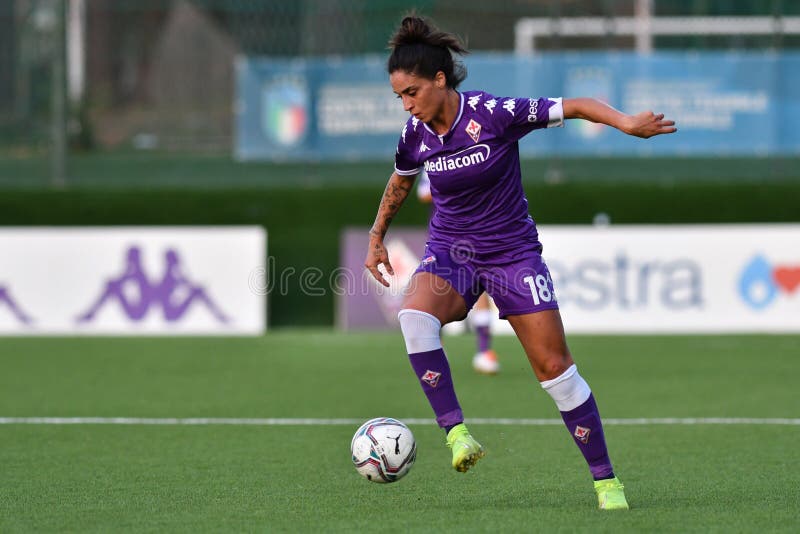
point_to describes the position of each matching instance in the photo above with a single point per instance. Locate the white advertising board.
(133, 280)
(675, 278)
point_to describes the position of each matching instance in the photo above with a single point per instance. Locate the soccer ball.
(383, 450)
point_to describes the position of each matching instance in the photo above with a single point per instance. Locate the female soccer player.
(481, 237)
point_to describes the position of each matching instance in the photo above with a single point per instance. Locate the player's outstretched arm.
(393, 197)
(645, 124)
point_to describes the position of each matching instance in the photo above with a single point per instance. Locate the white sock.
(421, 331)
(569, 389)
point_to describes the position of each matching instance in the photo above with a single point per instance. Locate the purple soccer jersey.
(474, 170)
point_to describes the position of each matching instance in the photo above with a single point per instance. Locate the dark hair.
(420, 48)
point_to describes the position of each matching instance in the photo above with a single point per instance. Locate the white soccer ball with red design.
(383, 450)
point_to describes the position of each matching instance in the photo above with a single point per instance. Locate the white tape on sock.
(569, 389)
(421, 331)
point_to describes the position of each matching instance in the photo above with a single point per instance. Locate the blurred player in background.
(485, 360)
(481, 237)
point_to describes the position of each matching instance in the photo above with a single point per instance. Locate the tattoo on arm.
(394, 195)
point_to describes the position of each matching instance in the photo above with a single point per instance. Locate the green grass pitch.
(283, 478)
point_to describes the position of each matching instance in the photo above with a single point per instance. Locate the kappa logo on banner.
(582, 433)
(761, 282)
(7, 300)
(431, 378)
(137, 295)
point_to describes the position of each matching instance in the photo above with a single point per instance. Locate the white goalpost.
(644, 27)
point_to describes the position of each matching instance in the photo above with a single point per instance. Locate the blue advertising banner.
(344, 108)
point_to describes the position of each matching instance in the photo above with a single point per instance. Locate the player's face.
(422, 97)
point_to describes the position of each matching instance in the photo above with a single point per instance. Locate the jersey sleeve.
(520, 116)
(405, 158)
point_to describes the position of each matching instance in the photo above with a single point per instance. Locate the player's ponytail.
(420, 48)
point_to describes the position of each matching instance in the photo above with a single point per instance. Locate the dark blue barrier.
(339, 109)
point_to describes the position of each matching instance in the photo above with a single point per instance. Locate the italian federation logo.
(285, 104)
(431, 378)
(582, 434)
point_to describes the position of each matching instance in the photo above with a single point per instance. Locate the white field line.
(643, 421)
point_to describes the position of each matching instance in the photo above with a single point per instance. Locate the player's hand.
(647, 124)
(377, 255)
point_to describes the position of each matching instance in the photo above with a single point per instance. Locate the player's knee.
(553, 369)
(421, 331)
(553, 365)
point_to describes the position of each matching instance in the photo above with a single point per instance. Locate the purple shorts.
(517, 280)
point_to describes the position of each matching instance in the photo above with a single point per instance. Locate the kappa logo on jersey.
(428, 260)
(431, 378)
(414, 123)
(473, 101)
(474, 155)
(405, 129)
(423, 147)
(490, 104)
(474, 130)
(509, 105)
(582, 434)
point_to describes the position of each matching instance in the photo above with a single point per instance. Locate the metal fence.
(159, 74)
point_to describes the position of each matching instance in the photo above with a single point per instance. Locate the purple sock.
(433, 372)
(484, 338)
(584, 424)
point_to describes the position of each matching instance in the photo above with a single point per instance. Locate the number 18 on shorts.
(522, 286)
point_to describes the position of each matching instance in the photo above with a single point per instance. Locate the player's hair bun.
(412, 30)
(417, 30)
(418, 46)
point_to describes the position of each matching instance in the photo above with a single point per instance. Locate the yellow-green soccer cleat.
(466, 451)
(610, 494)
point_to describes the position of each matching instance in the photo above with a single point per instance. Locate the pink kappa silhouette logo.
(137, 295)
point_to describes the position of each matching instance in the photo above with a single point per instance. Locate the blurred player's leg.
(485, 360)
